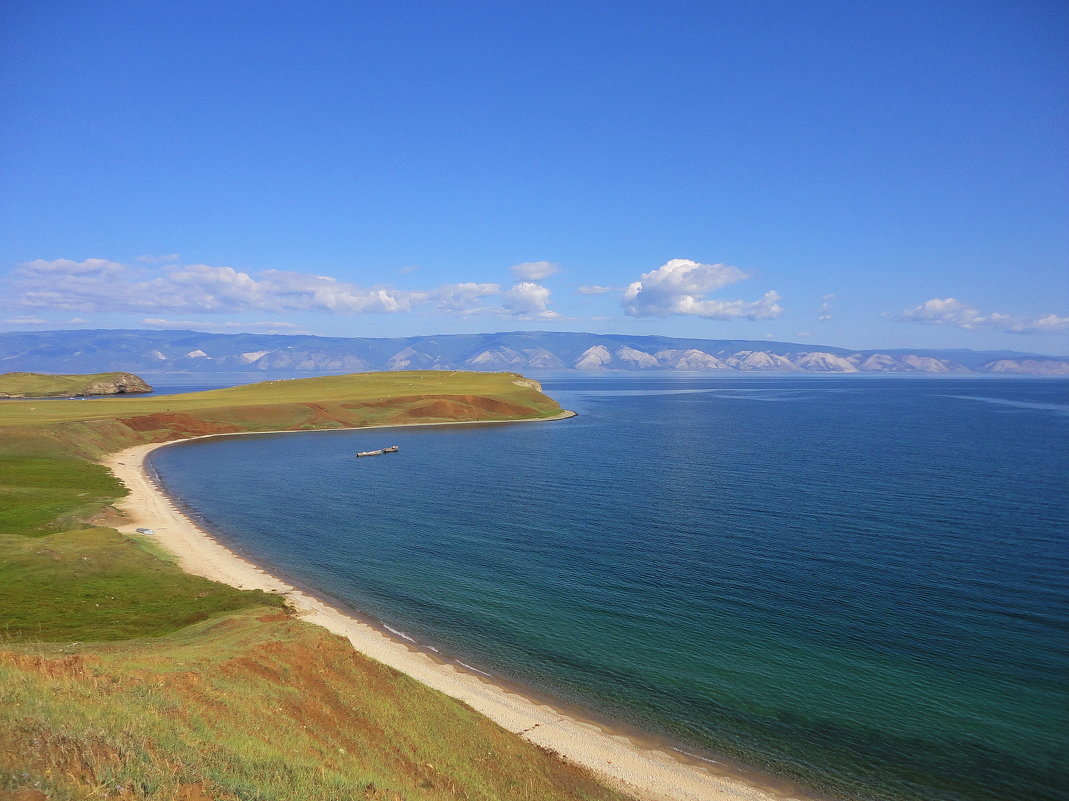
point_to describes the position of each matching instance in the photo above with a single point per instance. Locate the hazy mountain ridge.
(191, 351)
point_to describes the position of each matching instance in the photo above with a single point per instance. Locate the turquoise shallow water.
(856, 583)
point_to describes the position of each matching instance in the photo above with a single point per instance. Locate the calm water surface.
(857, 583)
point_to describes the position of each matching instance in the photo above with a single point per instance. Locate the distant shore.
(650, 774)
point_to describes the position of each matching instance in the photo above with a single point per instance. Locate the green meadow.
(123, 677)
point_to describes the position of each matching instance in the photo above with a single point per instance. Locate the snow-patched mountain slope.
(155, 352)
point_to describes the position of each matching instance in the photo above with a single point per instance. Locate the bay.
(855, 583)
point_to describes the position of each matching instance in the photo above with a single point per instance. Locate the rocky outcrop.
(121, 384)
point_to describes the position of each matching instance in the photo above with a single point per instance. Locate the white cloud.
(463, 298)
(25, 321)
(824, 312)
(149, 258)
(68, 267)
(98, 285)
(595, 289)
(680, 286)
(529, 301)
(534, 270)
(1050, 324)
(951, 311)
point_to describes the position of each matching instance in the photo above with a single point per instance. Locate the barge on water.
(391, 449)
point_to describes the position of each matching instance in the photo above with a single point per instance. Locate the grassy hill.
(123, 677)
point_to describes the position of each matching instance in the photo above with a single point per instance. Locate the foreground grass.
(253, 706)
(121, 676)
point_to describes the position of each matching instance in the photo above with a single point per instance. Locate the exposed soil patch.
(464, 407)
(446, 407)
(281, 616)
(177, 422)
(108, 517)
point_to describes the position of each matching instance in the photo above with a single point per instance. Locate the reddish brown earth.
(177, 423)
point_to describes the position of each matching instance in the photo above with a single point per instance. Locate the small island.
(43, 385)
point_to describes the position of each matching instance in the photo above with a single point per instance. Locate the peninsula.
(166, 666)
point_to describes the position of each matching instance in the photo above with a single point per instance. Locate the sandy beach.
(650, 774)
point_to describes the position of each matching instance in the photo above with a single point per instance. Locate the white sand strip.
(647, 773)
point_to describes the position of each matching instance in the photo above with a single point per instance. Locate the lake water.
(855, 583)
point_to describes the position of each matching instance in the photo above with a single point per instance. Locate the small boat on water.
(391, 449)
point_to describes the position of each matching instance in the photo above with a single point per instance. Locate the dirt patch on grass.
(67, 666)
(446, 407)
(178, 423)
(281, 616)
(108, 517)
(464, 407)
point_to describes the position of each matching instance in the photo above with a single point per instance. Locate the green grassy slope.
(254, 706)
(122, 676)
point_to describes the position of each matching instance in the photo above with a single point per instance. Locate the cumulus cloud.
(464, 298)
(680, 286)
(534, 270)
(595, 289)
(529, 301)
(824, 312)
(99, 285)
(951, 311)
(1049, 324)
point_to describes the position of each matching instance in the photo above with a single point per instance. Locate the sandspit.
(650, 774)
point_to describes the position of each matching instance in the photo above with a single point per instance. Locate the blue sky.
(882, 174)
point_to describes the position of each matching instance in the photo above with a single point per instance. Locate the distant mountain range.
(519, 351)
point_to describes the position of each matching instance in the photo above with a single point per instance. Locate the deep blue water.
(856, 583)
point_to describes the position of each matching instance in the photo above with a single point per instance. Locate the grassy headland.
(44, 385)
(122, 676)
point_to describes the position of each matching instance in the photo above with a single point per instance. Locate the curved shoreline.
(650, 774)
